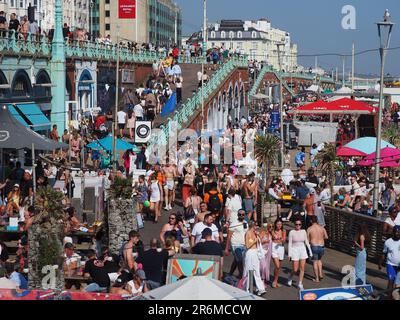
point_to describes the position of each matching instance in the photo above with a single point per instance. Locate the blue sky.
(315, 25)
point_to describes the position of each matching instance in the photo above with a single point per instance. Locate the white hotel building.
(257, 39)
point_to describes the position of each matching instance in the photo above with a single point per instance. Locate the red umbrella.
(349, 152)
(384, 164)
(387, 154)
(350, 106)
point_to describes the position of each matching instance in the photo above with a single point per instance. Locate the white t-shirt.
(238, 235)
(397, 220)
(233, 205)
(392, 248)
(325, 196)
(390, 222)
(121, 117)
(138, 110)
(198, 229)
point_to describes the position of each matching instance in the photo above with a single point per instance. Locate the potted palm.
(266, 149)
(328, 163)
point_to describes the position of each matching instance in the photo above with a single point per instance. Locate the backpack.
(214, 203)
(121, 251)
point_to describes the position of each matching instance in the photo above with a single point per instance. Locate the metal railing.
(188, 110)
(342, 226)
(19, 43)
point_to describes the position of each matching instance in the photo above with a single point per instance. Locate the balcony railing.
(18, 43)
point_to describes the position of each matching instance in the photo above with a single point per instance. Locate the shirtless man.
(129, 259)
(317, 236)
(249, 188)
(169, 172)
(203, 212)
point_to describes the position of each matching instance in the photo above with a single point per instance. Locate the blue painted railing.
(31, 45)
(191, 107)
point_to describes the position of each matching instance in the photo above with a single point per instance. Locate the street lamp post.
(204, 60)
(281, 106)
(384, 30)
(115, 133)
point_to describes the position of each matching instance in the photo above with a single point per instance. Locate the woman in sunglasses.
(175, 228)
(298, 246)
(253, 259)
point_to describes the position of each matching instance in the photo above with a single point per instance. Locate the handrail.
(182, 116)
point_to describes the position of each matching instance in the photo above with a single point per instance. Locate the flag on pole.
(169, 106)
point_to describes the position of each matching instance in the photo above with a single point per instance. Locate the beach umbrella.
(387, 154)
(367, 145)
(384, 164)
(198, 288)
(349, 152)
(107, 144)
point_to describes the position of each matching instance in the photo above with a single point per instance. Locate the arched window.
(21, 85)
(254, 34)
(231, 34)
(3, 80)
(42, 77)
(240, 34)
(212, 34)
(223, 34)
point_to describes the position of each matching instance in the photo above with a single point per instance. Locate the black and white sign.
(4, 136)
(142, 131)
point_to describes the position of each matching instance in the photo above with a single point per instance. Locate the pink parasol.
(349, 152)
(384, 164)
(387, 154)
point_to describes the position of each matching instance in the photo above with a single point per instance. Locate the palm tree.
(328, 164)
(45, 238)
(391, 133)
(266, 152)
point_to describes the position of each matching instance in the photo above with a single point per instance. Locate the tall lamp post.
(384, 30)
(279, 45)
(115, 133)
(204, 60)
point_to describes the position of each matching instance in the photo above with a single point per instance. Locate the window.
(231, 34)
(107, 13)
(212, 34)
(240, 34)
(107, 27)
(240, 45)
(223, 34)
(254, 34)
(255, 45)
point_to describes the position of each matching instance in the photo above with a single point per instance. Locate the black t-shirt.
(14, 24)
(153, 262)
(3, 20)
(25, 186)
(198, 182)
(98, 272)
(210, 248)
(112, 266)
(313, 179)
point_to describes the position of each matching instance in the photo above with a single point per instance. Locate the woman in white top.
(297, 252)
(155, 197)
(253, 258)
(137, 286)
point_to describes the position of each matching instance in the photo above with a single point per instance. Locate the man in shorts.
(391, 253)
(169, 187)
(317, 236)
(249, 190)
